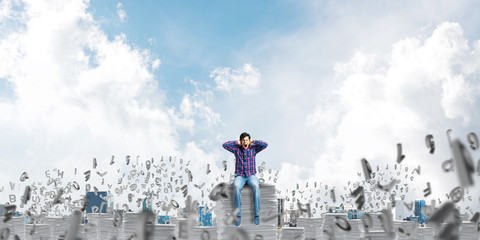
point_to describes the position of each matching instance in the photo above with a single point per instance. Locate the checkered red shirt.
(245, 158)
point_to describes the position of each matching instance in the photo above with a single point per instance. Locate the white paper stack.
(130, 223)
(90, 230)
(37, 231)
(163, 231)
(16, 226)
(59, 226)
(297, 233)
(437, 229)
(377, 224)
(2, 224)
(175, 222)
(357, 230)
(468, 230)
(312, 227)
(139, 225)
(253, 232)
(426, 232)
(440, 232)
(380, 235)
(329, 224)
(82, 232)
(106, 228)
(409, 230)
(183, 228)
(205, 233)
(224, 209)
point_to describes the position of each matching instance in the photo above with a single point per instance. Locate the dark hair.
(244, 134)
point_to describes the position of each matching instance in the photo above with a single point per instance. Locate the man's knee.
(237, 184)
(255, 187)
(254, 184)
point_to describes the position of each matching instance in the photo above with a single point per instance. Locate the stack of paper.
(139, 226)
(312, 227)
(224, 212)
(130, 224)
(16, 226)
(426, 232)
(205, 233)
(356, 229)
(407, 230)
(164, 231)
(91, 229)
(59, 226)
(380, 235)
(183, 228)
(297, 233)
(441, 231)
(377, 223)
(468, 230)
(2, 224)
(107, 230)
(329, 226)
(253, 232)
(37, 231)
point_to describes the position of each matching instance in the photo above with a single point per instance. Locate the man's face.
(245, 142)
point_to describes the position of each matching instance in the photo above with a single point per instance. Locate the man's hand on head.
(249, 143)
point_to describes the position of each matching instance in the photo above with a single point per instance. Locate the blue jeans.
(238, 184)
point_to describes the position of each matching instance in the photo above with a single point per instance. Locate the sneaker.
(256, 220)
(238, 221)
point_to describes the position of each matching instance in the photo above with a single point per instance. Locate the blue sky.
(325, 83)
(192, 37)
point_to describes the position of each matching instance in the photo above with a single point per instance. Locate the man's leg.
(255, 185)
(238, 183)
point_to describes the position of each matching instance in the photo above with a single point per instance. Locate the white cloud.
(152, 41)
(246, 79)
(156, 63)
(289, 176)
(122, 15)
(194, 114)
(77, 95)
(425, 86)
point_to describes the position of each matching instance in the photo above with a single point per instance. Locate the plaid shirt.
(245, 158)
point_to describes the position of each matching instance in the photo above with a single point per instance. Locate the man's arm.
(259, 145)
(231, 146)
